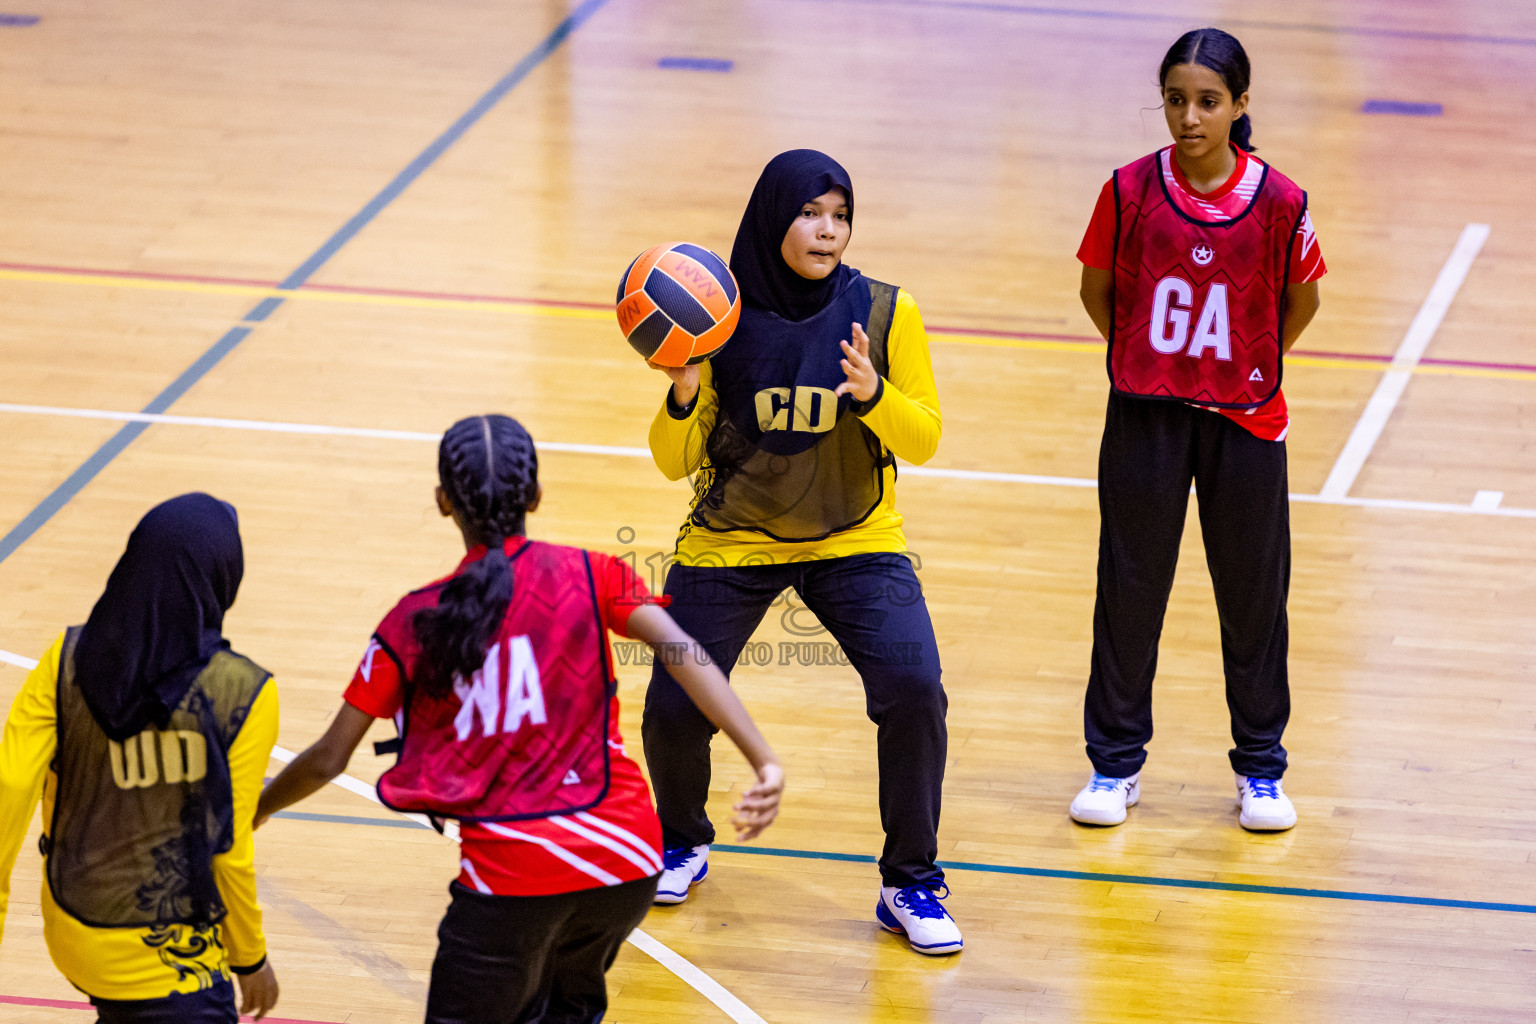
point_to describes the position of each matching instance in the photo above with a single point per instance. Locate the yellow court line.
(309, 294)
(1029, 344)
(139, 283)
(1318, 362)
(567, 313)
(1433, 371)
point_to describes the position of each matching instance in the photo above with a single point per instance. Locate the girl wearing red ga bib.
(1199, 268)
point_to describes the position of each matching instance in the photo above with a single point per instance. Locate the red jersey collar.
(1226, 187)
(477, 552)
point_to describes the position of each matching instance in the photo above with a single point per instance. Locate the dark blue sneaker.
(682, 868)
(917, 913)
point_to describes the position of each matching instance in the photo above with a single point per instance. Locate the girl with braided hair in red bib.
(1200, 268)
(502, 685)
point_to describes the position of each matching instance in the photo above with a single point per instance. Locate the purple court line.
(513, 300)
(1186, 19)
(1402, 108)
(63, 1004)
(1364, 357)
(695, 64)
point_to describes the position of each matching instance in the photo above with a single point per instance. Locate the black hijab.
(789, 181)
(161, 617)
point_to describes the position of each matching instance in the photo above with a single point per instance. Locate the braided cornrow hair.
(490, 471)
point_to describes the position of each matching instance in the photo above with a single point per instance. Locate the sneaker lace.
(1268, 789)
(1104, 783)
(923, 899)
(676, 857)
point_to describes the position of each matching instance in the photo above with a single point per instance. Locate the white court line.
(18, 660)
(1002, 478)
(702, 983)
(268, 426)
(1480, 508)
(1379, 409)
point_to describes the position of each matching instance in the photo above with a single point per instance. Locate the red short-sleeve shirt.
(1270, 421)
(617, 841)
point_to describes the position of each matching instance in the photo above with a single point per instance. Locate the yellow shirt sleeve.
(677, 443)
(235, 871)
(26, 749)
(906, 414)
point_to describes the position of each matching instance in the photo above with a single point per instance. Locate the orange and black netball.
(678, 304)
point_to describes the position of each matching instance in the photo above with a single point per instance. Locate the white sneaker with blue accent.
(1266, 808)
(917, 913)
(1104, 800)
(682, 868)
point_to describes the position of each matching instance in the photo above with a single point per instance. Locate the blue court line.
(103, 456)
(1013, 869)
(1193, 21)
(1171, 883)
(19, 20)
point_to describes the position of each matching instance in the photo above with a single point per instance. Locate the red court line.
(407, 293)
(403, 293)
(61, 1004)
(986, 332)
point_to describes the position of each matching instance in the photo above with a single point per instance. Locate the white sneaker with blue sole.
(682, 868)
(917, 913)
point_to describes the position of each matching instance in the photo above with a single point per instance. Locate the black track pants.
(1151, 452)
(872, 605)
(531, 959)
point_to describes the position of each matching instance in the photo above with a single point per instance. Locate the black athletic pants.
(215, 1005)
(531, 959)
(872, 605)
(1151, 452)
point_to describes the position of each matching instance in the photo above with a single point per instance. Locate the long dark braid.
(490, 471)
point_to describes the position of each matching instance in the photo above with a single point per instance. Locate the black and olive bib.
(788, 458)
(136, 824)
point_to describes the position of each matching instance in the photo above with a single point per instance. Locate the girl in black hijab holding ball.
(791, 433)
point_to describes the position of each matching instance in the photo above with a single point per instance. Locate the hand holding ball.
(678, 304)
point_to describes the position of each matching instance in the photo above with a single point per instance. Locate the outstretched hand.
(759, 805)
(863, 381)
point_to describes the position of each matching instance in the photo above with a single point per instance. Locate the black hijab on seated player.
(789, 181)
(161, 618)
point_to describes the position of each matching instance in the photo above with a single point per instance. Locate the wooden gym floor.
(236, 215)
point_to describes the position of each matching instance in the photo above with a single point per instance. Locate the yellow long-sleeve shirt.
(134, 963)
(906, 418)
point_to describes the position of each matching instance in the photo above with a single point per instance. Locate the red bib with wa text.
(1198, 305)
(527, 735)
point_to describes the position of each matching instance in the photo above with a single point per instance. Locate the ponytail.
(1222, 53)
(1242, 134)
(489, 469)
